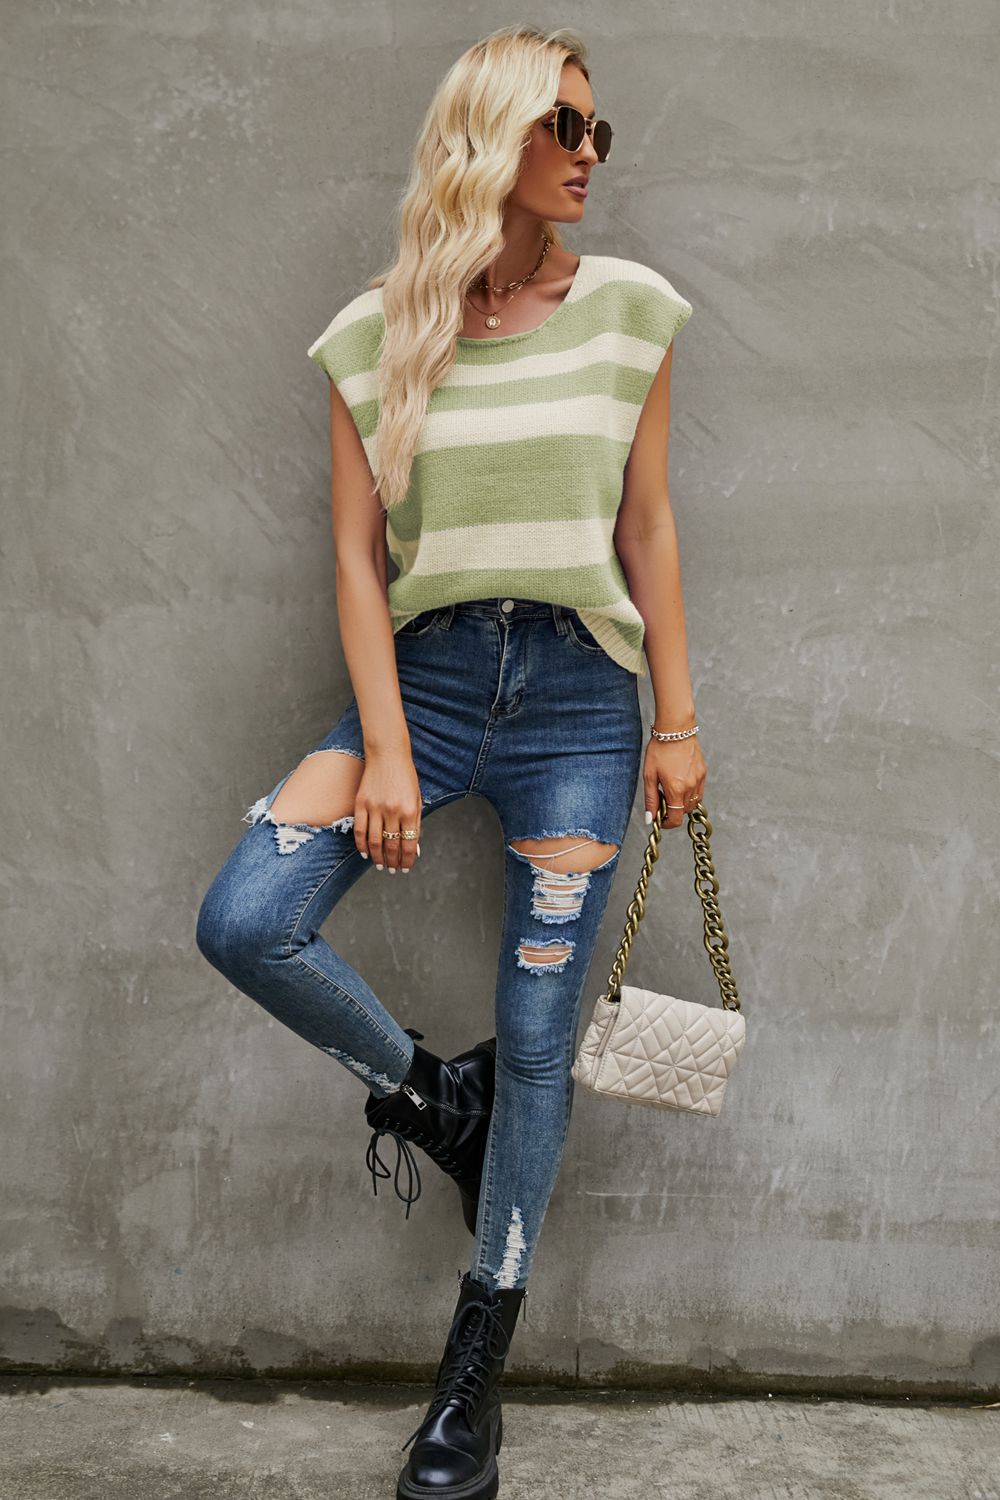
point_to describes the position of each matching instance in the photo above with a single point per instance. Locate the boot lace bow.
(380, 1170)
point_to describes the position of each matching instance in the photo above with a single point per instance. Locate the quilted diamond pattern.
(661, 1051)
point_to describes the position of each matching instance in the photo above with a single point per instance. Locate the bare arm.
(389, 793)
(645, 539)
(362, 580)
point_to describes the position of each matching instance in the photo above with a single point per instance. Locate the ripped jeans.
(513, 701)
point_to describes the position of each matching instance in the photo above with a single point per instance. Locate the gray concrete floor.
(85, 1439)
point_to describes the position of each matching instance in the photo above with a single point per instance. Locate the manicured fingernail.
(392, 869)
(406, 869)
(649, 816)
(380, 867)
(418, 848)
(362, 853)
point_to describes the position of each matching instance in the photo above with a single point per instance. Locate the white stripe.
(611, 347)
(509, 545)
(576, 416)
(361, 307)
(598, 621)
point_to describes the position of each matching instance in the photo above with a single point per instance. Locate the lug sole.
(483, 1487)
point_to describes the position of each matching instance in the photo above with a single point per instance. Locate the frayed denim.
(521, 707)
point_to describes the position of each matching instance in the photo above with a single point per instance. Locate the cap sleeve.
(348, 350)
(661, 312)
(654, 312)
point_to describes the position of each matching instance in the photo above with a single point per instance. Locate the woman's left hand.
(679, 768)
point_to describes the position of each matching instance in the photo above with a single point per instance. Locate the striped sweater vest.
(517, 476)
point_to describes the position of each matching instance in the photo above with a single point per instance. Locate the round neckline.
(509, 338)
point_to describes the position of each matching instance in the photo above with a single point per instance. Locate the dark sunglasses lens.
(570, 128)
(602, 139)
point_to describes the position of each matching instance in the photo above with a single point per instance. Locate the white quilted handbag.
(655, 1049)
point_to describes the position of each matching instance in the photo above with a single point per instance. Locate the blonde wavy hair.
(465, 163)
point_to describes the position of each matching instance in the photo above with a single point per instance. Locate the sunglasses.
(569, 127)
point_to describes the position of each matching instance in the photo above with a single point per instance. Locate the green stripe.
(549, 479)
(642, 312)
(352, 350)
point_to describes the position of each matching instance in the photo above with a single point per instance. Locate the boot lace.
(380, 1170)
(464, 1374)
(403, 1153)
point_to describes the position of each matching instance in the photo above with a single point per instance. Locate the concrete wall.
(191, 191)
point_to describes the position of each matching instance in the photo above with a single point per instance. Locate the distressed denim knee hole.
(291, 836)
(550, 957)
(291, 833)
(557, 895)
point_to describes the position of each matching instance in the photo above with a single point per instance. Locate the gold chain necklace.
(493, 319)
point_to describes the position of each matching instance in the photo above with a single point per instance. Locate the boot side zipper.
(412, 1094)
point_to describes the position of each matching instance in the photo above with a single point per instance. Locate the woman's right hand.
(388, 800)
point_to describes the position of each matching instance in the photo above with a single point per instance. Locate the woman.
(518, 480)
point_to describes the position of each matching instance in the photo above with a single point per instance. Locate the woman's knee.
(234, 930)
(537, 1051)
(213, 934)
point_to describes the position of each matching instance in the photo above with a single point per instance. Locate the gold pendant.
(493, 321)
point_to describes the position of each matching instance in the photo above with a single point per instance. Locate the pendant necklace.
(493, 319)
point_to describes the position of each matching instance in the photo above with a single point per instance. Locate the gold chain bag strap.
(655, 1049)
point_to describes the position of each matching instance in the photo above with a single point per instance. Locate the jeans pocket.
(426, 620)
(580, 636)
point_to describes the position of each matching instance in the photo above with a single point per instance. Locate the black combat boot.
(455, 1453)
(445, 1108)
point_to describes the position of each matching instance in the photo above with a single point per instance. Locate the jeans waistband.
(510, 608)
